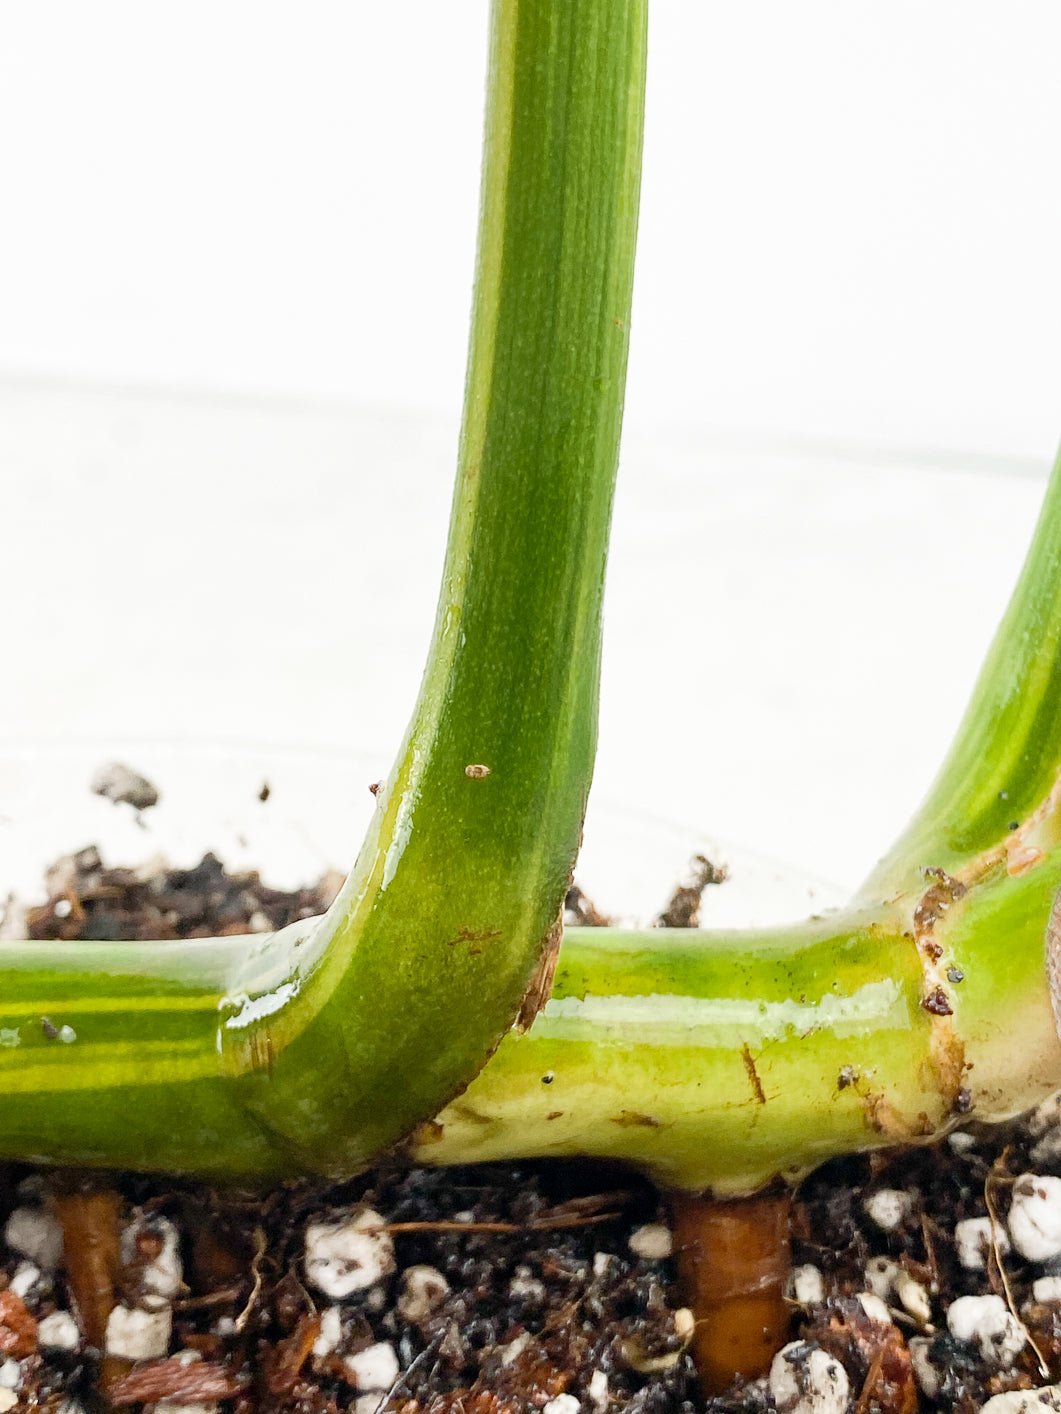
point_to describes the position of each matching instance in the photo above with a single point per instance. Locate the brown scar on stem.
(540, 986)
(883, 1118)
(1015, 851)
(469, 1113)
(946, 1048)
(631, 1119)
(752, 1074)
(430, 1132)
(1019, 856)
(262, 1052)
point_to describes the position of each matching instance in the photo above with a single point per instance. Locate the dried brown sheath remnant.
(734, 1256)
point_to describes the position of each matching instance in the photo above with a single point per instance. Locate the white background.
(843, 381)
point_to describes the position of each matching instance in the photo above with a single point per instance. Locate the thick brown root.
(734, 1256)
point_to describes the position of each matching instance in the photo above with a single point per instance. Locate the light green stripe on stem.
(720, 1061)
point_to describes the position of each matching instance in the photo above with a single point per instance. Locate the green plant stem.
(339, 1038)
(709, 1060)
(458, 889)
(722, 1060)
(1005, 762)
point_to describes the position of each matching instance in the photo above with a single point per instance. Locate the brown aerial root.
(89, 1214)
(734, 1258)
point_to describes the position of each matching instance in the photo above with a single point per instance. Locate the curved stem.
(458, 890)
(335, 1041)
(1005, 762)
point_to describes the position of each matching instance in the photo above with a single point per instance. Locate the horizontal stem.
(723, 1060)
(709, 1060)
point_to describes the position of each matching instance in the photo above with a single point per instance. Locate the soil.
(491, 1290)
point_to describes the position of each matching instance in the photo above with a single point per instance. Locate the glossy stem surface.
(710, 1060)
(720, 1061)
(324, 1045)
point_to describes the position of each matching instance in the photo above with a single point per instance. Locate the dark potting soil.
(502, 1289)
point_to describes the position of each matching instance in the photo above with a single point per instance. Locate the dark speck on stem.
(938, 1003)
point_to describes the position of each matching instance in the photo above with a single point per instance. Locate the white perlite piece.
(423, 1290)
(331, 1331)
(597, 1389)
(1035, 1217)
(515, 1348)
(133, 1334)
(1045, 1124)
(880, 1273)
(374, 1368)
(562, 1404)
(913, 1297)
(806, 1380)
(344, 1257)
(1046, 1289)
(806, 1285)
(10, 1374)
(652, 1242)
(525, 1286)
(8, 1399)
(162, 1275)
(925, 1373)
(1024, 1401)
(887, 1207)
(1046, 1116)
(986, 1322)
(35, 1234)
(369, 1403)
(972, 1242)
(874, 1308)
(26, 1277)
(961, 1141)
(58, 1332)
(1047, 1150)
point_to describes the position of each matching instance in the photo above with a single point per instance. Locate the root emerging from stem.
(734, 1257)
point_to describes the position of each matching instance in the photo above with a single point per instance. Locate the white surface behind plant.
(789, 640)
(850, 223)
(848, 296)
